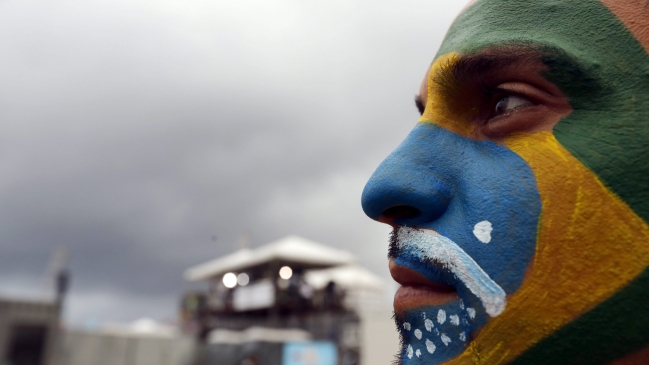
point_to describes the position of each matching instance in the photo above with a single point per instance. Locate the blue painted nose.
(410, 187)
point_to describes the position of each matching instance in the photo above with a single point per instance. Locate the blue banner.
(310, 353)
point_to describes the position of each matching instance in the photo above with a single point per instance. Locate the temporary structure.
(348, 277)
(291, 251)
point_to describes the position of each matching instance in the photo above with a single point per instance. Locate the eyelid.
(493, 116)
(546, 110)
(538, 95)
(525, 90)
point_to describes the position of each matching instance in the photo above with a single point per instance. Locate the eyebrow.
(452, 76)
(479, 67)
(573, 75)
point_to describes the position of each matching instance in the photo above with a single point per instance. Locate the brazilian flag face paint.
(520, 200)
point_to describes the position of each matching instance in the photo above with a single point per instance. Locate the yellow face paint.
(590, 244)
(591, 259)
(441, 108)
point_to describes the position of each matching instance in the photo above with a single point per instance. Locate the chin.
(432, 334)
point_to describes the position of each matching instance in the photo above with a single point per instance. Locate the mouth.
(416, 290)
(442, 259)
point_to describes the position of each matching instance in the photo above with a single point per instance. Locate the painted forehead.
(585, 28)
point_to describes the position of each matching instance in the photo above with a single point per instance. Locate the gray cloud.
(134, 131)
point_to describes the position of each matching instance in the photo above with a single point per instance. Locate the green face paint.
(553, 216)
(604, 71)
(529, 163)
(598, 64)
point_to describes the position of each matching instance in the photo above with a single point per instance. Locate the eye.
(510, 103)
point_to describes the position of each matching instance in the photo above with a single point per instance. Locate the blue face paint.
(454, 320)
(433, 334)
(459, 186)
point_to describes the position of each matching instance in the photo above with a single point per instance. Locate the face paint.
(432, 335)
(601, 67)
(430, 247)
(440, 332)
(482, 274)
(555, 219)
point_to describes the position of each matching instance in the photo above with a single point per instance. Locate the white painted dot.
(482, 231)
(445, 339)
(454, 319)
(409, 352)
(418, 353)
(436, 331)
(463, 336)
(418, 334)
(441, 316)
(406, 326)
(471, 312)
(430, 346)
(428, 324)
(461, 304)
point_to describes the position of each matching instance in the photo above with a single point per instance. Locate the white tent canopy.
(257, 334)
(348, 276)
(289, 249)
(145, 327)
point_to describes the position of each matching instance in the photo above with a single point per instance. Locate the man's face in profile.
(519, 201)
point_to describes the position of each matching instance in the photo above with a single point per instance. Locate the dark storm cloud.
(132, 132)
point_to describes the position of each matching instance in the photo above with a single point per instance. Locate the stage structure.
(285, 303)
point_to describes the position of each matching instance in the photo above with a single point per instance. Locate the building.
(142, 342)
(291, 299)
(29, 331)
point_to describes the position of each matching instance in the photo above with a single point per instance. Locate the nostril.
(401, 212)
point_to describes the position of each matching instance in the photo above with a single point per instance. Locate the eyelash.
(488, 93)
(491, 95)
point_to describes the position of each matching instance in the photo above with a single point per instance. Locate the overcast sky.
(134, 131)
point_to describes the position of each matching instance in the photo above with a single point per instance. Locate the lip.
(416, 290)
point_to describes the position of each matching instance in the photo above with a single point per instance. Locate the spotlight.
(230, 280)
(243, 279)
(285, 272)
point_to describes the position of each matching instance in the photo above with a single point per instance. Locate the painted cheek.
(578, 263)
(457, 183)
